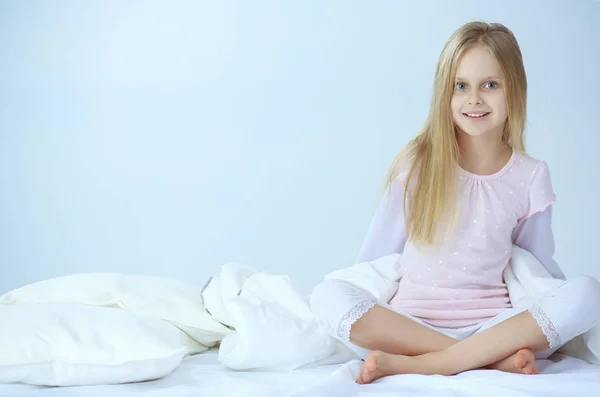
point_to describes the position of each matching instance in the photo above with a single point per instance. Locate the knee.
(322, 298)
(332, 299)
(318, 297)
(588, 287)
(328, 293)
(586, 291)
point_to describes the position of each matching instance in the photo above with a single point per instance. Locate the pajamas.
(562, 313)
(458, 282)
(457, 288)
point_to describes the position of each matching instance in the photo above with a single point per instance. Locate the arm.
(535, 235)
(386, 234)
(377, 268)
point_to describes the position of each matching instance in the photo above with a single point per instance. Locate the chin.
(479, 131)
(475, 133)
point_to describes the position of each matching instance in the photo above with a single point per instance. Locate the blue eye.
(493, 84)
(461, 86)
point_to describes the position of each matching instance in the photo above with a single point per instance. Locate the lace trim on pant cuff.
(546, 325)
(350, 318)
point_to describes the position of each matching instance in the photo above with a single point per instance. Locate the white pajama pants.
(562, 313)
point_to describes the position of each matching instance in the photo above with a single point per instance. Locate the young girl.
(459, 196)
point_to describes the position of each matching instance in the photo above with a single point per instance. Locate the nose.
(475, 98)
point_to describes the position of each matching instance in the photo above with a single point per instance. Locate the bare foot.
(522, 362)
(379, 364)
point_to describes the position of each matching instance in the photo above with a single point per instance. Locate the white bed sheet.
(203, 376)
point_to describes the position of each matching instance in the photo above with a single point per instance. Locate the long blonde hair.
(432, 156)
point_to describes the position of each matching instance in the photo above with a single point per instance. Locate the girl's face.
(478, 104)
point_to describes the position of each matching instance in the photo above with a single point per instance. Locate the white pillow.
(171, 300)
(71, 344)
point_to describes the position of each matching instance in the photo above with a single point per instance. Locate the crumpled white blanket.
(272, 327)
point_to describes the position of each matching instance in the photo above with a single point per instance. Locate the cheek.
(499, 106)
(500, 109)
(456, 106)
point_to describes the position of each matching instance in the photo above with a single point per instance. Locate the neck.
(483, 154)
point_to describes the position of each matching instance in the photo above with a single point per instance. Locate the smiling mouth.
(476, 115)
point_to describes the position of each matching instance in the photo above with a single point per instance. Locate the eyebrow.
(485, 78)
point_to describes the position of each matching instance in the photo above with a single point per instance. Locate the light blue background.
(170, 137)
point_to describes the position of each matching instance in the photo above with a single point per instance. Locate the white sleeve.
(386, 234)
(535, 235)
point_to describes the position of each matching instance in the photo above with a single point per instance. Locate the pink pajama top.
(460, 283)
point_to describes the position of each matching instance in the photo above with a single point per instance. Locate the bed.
(132, 335)
(203, 376)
